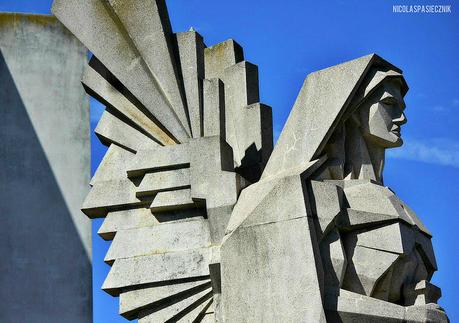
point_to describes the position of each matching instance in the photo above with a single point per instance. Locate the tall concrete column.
(45, 240)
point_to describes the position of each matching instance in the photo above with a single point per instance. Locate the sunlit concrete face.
(45, 240)
(382, 115)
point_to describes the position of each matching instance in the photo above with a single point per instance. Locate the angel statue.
(208, 222)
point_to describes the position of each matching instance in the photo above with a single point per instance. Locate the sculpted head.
(370, 124)
(382, 115)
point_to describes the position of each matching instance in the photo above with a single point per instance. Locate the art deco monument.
(208, 222)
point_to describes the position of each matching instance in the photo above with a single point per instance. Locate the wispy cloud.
(439, 108)
(454, 103)
(443, 152)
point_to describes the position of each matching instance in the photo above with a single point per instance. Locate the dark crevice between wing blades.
(158, 305)
(97, 65)
(92, 24)
(164, 17)
(173, 48)
(191, 307)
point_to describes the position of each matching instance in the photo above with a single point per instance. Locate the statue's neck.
(377, 155)
(364, 159)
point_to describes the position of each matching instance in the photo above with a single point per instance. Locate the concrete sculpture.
(208, 222)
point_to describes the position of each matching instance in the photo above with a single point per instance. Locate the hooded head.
(364, 95)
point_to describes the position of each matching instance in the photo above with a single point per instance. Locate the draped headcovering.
(327, 96)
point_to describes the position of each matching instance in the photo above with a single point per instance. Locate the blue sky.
(289, 40)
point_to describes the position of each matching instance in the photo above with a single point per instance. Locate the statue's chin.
(389, 141)
(397, 143)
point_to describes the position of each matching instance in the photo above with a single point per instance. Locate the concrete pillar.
(45, 240)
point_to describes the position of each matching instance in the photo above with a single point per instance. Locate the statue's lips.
(396, 130)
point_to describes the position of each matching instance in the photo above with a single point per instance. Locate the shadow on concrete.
(44, 271)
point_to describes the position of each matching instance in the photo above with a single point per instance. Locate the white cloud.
(454, 103)
(443, 152)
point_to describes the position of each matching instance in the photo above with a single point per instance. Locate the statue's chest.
(380, 202)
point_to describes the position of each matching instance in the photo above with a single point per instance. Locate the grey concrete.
(124, 220)
(99, 87)
(45, 240)
(209, 226)
(147, 23)
(214, 108)
(363, 239)
(161, 158)
(172, 312)
(241, 90)
(159, 239)
(133, 301)
(213, 157)
(221, 56)
(112, 129)
(152, 183)
(160, 267)
(300, 137)
(191, 51)
(110, 196)
(117, 52)
(171, 200)
(264, 244)
(113, 165)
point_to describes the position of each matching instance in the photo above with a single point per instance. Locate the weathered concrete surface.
(93, 21)
(268, 268)
(99, 87)
(147, 22)
(221, 56)
(45, 241)
(202, 231)
(191, 50)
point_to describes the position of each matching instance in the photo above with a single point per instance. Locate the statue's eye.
(389, 101)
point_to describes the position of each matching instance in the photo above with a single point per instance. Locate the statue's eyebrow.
(388, 98)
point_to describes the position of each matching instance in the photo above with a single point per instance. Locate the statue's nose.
(401, 119)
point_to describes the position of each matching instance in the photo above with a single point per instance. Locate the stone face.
(45, 240)
(369, 250)
(208, 222)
